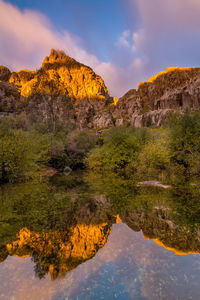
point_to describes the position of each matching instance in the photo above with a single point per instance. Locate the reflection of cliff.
(57, 252)
(159, 226)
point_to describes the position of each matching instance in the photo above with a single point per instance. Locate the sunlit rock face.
(66, 90)
(165, 82)
(61, 74)
(159, 226)
(57, 252)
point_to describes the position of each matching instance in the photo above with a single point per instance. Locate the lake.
(84, 236)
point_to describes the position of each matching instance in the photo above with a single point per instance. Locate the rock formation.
(63, 90)
(127, 107)
(10, 100)
(4, 73)
(172, 90)
(66, 91)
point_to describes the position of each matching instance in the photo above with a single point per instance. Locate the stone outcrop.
(165, 82)
(127, 107)
(173, 90)
(10, 100)
(63, 90)
(68, 92)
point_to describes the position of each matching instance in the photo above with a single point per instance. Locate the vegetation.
(27, 144)
(119, 152)
(172, 152)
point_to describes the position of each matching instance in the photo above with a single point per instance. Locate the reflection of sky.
(128, 267)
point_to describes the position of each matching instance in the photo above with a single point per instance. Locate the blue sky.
(99, 23)
(125, 41)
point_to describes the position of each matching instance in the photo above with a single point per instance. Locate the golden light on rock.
(168, 70)
(176, 251)
(61, 251)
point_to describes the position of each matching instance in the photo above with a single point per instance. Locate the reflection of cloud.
(128, 264)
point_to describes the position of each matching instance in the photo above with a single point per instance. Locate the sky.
(124, 41)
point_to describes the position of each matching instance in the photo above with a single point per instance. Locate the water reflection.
(59, 224)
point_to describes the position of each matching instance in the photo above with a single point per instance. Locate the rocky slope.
(172, 90)
(64, 91)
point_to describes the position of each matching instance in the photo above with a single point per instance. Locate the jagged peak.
(59, 57)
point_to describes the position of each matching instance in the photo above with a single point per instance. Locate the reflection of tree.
(170, 217)
(64, 223)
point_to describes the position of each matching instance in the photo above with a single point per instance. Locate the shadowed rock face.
(128, 106)
(4, 73)
(159, 226)
(10, 100)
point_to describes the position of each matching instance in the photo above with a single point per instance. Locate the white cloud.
(123, 40)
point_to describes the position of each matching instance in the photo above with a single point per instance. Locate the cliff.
(62, 90)
(172, 90)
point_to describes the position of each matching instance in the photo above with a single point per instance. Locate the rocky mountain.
(64, 91)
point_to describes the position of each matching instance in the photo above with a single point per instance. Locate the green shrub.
(20, 154)
(154, 157)
(119, 152)
(185, 142)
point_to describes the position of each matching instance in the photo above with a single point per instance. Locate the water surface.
(88, 237)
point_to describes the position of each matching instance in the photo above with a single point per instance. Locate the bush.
(185, 142)
(119, 152)
(20, 153)
(154, 157)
